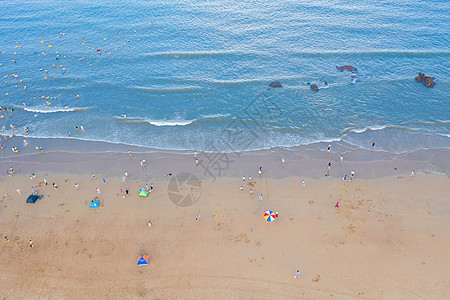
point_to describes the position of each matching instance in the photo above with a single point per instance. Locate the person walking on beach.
(197, 218)
(341, 160)
(129, 153)
(243, 178)
(126, 192)
(241, 188)
(124, 179)
(98, 191)
(303, 183)
(77, 187)
(328, 150)
(373, 145)
(18, 190)
(282, 162)
(337, 204)
(329, 167)
(412, 174)
(260, 171)
(297, 275)
(30, 242)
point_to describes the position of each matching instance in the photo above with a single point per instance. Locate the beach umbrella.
(94, 204)
(143, 260)
(143, 193)
(270, 216)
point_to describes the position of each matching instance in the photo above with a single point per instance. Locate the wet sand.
(388, 238)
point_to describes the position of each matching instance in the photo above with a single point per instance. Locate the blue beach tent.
(94, 204)
(32, 199)
(143, 260)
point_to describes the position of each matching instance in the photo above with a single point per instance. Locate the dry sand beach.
(388, 239)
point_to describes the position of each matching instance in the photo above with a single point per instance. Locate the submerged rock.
(427, 81)
(347, 68)
(275, 84)
(314, 87)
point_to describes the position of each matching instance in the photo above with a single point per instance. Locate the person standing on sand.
(31, 243)
(129, 153)
(337, 204)
(282, 162)
(303, 183)
(328, 150)
(329, 167)
(241, 188)
(373, 145)
(297, 275)
(77, 186)
(341, 160)
(260, 171)
(18, 190)
(197, 218)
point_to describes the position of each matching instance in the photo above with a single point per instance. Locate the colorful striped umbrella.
(270, 216)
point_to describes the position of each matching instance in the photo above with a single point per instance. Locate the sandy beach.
(388, 239)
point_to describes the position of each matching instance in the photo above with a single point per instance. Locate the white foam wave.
(48, 110)
(373, 128)
(170, 122)
(158, 123)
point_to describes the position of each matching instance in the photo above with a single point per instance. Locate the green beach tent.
(143, 193)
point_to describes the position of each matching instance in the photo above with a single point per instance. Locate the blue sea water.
(195, 74)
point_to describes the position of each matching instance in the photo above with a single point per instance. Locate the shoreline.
(75, 156)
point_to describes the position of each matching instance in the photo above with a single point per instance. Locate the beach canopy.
(270, 216)
(143, 193)
(32, 199)
(94, 204)
(143, 260)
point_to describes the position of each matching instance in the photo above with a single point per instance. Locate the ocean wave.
(45, 110)
(200, 54)
(158, 123)
(382, 52)
(181, 89)
(376, 128)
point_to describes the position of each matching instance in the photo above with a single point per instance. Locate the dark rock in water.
(275, 84)
(347, 68)
(314, 87)
(427, 81)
